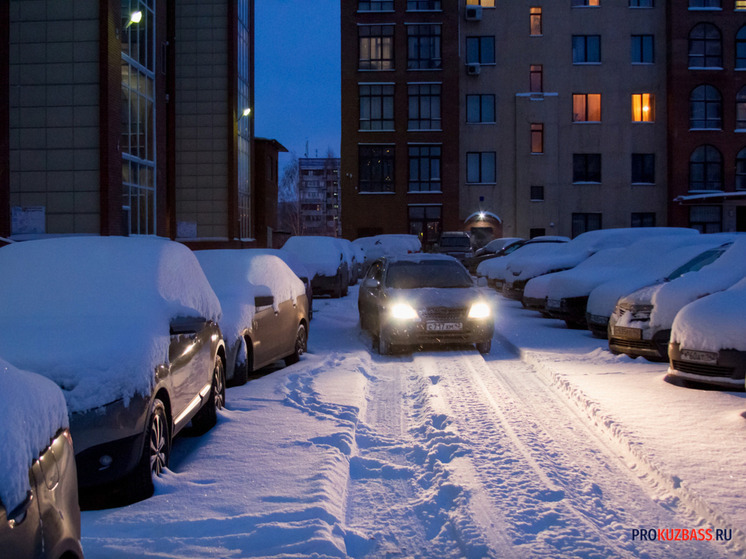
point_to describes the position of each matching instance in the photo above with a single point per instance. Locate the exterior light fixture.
(135, 17)
(245, 112)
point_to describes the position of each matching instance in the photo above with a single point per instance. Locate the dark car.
(265, 309)
(423, 299)
(454, 243)
(136, 347)
(494, 249)
(39, 511)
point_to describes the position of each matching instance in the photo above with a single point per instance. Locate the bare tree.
(288, 200)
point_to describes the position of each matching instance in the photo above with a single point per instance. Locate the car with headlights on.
(421, 299)
(128, 329)
(39, 511)
(265, 309)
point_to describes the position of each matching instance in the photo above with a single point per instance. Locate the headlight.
(403, 311)
(480, 310)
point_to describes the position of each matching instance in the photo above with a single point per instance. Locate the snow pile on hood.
(237, 276)
(321, 255)
(32, 410)
(569, 255)
(293, 262)
(93, 313)
(388, 245)
(715, 322)
(721, 274)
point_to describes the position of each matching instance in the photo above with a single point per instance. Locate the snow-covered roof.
(93, 313)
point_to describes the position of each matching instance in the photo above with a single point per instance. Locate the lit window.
(535, 21)
(586, 107)
(536, 78)
(537, 138)
(585, 3)
(643, 107)
(740, 4)
(483, 3)
(376, 47)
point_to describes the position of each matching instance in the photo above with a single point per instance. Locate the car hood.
(435, 296)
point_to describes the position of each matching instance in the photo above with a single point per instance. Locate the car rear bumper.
(725, 368)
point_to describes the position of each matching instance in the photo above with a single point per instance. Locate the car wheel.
(301, 345)
(155, 454)
(207, 416)
(484, 347)
(242, 366)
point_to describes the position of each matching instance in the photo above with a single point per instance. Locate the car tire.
(301, 345)
(242, 366)
(155, 455)
(338, 288)
(207, 416)
(484, 347)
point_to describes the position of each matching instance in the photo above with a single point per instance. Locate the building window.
(741, 109)
(705, 47)
(586, 49)
(537, 137)
(643, 107)
(705, 108)
(586, 167)
(705, 4)
(425, 222)
(244, 160)
(534, 22)
(706, 169)
(706, 219)
(423, 47)
(536, 78)
(741, 170)
(640, 3)
(424, 106)
(537, 193)
(376, 106)
(376, 47)
(642, 49)
(536, 232)
(643, 168)
(480, 50)
(424, 5)
(480, 167)
(583, 222)
(424, 168)
(483, 3)
(586, 107)
(585, 3)
(740, 5)
(643, 219)
(741, 48)
(375, 5)
(376, 170)
(480, 108)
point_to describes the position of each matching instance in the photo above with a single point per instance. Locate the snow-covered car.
(326, 260)
(351, 256)
(265, 309)
(39, 511)
(526, 267)
(454, 243)
(567, 291)
(708, 339)
(641, 322)
(382, 245)
(423, 299)
(128, 328)
(493, 249)
(496, 270)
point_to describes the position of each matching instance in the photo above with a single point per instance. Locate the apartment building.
(319, 196)
(560, 127)
(707, 114)
(127, 117)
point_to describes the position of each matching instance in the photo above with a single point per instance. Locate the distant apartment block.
(319, 196)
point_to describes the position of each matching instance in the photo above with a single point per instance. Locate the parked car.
(298, 268)
(454, 243)
(378, 246)
(422, 299)
(39, 511)
(351, 257)
(130, 334)
(642, 320)
(493, 249)
(265, 309)
(708, 339)
(526, 267)
(326, 261)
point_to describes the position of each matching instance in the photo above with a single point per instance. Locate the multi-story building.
(319, 196)
(560, 127)
(707, 114)
(126, 117)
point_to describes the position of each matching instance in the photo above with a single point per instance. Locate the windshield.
(434, 273)
(460, 242)
(698, 262)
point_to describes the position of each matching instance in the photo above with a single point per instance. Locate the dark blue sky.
(297, 75)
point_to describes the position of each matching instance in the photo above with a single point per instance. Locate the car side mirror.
(371, 283)
(264, 300)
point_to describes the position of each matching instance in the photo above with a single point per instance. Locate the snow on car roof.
(388, 245)
(321, 255)
(295, 264)
(93, 313)
(237, 276)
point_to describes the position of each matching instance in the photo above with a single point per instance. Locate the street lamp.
(135, 17)
(246, 112)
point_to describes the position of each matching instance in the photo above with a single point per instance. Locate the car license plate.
(699, 356)
(444, 326)
(626, 332)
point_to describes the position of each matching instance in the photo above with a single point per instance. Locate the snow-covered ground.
(549, 446)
